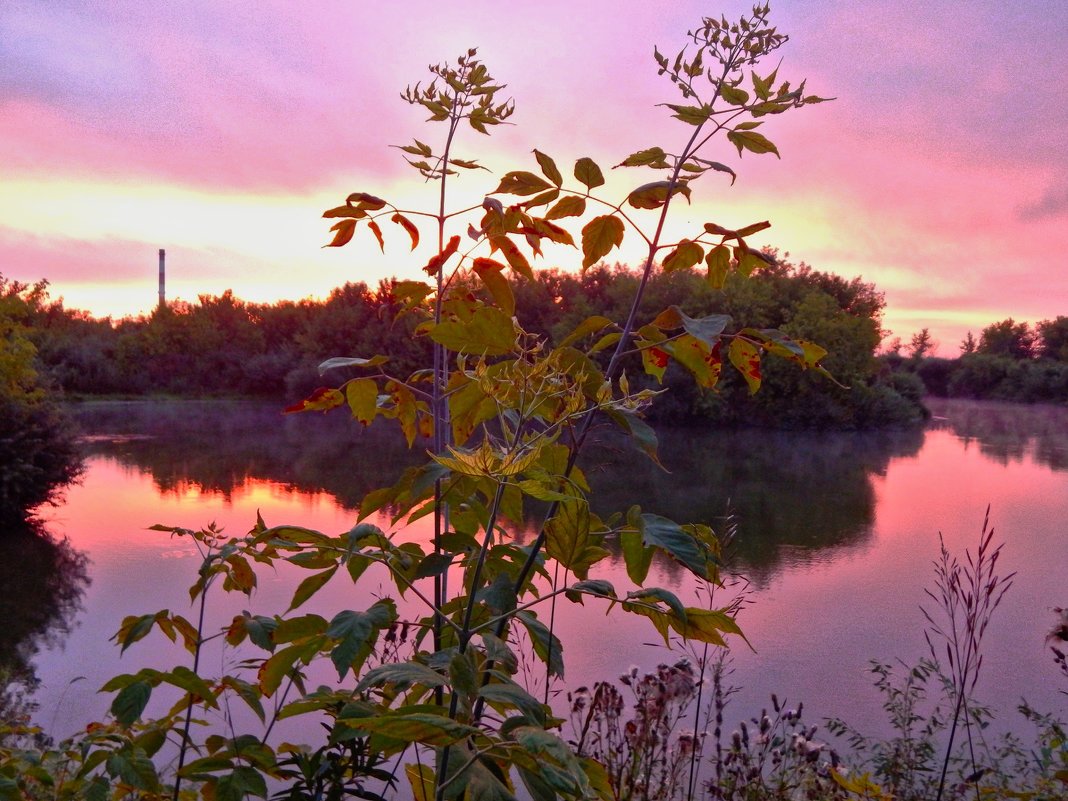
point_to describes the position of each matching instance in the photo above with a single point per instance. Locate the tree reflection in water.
(1007, 432)
(797, 495)
(44, 580)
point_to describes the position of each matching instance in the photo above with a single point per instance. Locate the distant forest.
(221, 346)
(1010, 361)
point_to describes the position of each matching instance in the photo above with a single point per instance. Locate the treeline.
(38, 454)
(222, 346)
(1010, 361)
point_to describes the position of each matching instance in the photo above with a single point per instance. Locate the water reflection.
(218, 446)
(1007, 432)
(44, 580)
(796, 494)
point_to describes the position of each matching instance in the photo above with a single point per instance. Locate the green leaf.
(418, 727)
(185, 679)
(599, 236)
(489, 332)
(680, 545)
(654, 195)
(491, 273)
(133, 769)
(131, 702)
(336, 362)
(356, 632)
(548, 167)
(691, 115)
(404, 674)
(708, 329)
(311, 585)
(135, 628)
(597, 587)
(571, 206)
(298, 628)
(732, 94)
(591, 325)
(546, 645)
(637, 556)
(684, 256)
(641, 432)
(521, 183)
(660, 594)
(752, 141)
(568, 538)
(240, 784)
(587, 172)
(652, 157)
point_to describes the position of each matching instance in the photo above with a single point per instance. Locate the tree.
(1053, 339)
(968, 344)
(922, 344)
(1007, 338)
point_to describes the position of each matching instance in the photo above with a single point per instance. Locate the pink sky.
(221, 130)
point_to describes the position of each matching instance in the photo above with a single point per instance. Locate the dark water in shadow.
(44, 580)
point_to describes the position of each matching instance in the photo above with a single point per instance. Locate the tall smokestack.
(162, 279)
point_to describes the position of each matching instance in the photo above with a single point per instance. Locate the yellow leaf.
(599, 236)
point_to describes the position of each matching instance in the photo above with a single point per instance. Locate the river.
(836, 537)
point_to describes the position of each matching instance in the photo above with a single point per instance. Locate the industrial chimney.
(162, 279)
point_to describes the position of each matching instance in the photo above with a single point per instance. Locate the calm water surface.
(837, 533)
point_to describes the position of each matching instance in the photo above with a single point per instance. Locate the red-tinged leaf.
(522, 183)
(515, 258)
(378, 234)
(322, 400)
(548, 168)
(571, 206)
(653, 157)
(752, 141)
(548, 230)
(719, 262)
(654, 361)
(433, 267)
(408, 226)
(491, 273)
(745, 356)
(344, 231)
(362, 397)
(655, 194)
(588, 173)
(703, 362)
(599, 236)
(366, 201)
(345, 211)
(683, 257)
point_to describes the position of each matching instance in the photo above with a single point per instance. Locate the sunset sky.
(221, 131)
